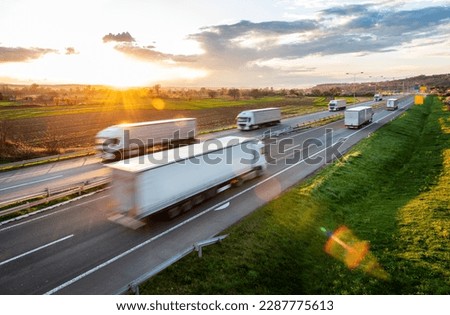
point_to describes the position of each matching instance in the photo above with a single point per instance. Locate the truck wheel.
(199, 199)
(173, 212)
(185, 207)
(237, 182)
(211, 193)
(259, 172)
(117, 156)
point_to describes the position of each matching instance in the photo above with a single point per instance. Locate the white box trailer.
(357, 116)
(128, 140)
(392, 104)
(175, 180)
(335, 105)
(256, 118)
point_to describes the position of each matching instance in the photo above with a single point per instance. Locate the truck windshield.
(107, 141)
(243, 119)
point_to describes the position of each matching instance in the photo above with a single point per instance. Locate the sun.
(102, 65)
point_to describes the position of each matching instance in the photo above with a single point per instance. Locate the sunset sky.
(211, 43)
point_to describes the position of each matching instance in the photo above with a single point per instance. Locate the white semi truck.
(357, 116)
(127, 140)
(256, 118)
(377, 97)
(175, 180)
(335, 105)
(392, 104)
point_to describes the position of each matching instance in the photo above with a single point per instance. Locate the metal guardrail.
(49, 195)
(298, 127)
(198, 246)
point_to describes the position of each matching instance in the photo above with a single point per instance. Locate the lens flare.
(354, 253)
(158, 104)
(268, 190)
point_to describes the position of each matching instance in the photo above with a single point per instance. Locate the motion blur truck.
(392, 104)
(256, 118)
(173, 181)
(127, 140)
(357, 116)
(335, 105)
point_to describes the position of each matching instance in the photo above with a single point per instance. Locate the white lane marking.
(35, 250)
(224, 206)
(31, 183)
(110, 261)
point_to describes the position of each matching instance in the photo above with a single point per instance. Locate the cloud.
(20, 54)
(347, 10)
(337, 30)
(71, 51)
(149, 53)
(246, 50)
(126, 44)
(120, 37)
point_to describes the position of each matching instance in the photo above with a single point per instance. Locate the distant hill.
(439, 83)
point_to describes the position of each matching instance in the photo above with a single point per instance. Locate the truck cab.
(245, 120)
(256, 118)
(109, 142)
(335, 105)
(377, 98)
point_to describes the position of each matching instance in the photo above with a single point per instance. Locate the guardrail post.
(199, 245)
(200, 251)
(133, 288)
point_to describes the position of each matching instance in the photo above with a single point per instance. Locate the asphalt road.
(74, 249)
(30, 180)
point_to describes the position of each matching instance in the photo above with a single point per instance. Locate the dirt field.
(32, 137)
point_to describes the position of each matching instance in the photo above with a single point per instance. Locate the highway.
(26, 181)
(74, 249)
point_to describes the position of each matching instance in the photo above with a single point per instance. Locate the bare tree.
(212, 93)
(235, 93)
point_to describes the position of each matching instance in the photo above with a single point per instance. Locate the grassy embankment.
(391, 189)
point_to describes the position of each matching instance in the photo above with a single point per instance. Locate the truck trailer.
(392, 104)
(173, 181)
(127, 140)
(357, 116)
(256, 118)
(335, 105)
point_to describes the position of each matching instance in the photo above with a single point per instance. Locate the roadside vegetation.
(391, 189)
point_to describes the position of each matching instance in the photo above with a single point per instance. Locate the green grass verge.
(8, 103)
(390, 189)
(197, 104)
